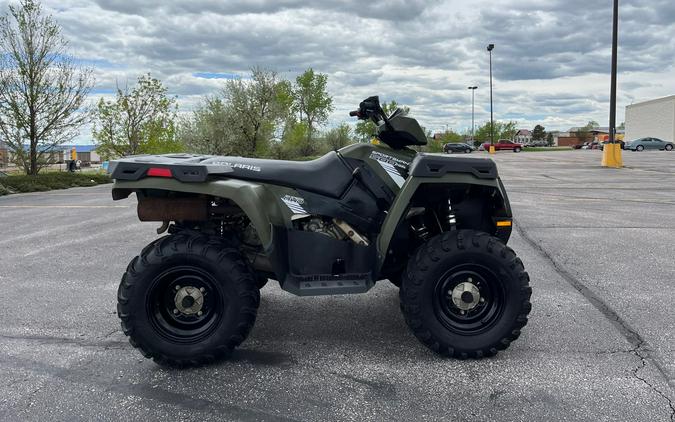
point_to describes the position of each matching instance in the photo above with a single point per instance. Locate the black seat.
(327, 175)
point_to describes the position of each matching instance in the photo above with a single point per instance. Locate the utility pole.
(473, 126)
(611, 156)
(491, 47)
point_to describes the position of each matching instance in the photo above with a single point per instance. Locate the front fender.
(403, 198)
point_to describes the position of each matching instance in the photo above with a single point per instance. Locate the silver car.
(649, 143)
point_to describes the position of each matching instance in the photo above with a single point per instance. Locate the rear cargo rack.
(186, 168)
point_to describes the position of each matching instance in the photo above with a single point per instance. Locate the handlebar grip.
(354, 113)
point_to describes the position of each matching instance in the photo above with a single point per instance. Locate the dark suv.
(457, 147)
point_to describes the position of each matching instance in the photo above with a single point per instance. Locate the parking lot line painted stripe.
(64, 206)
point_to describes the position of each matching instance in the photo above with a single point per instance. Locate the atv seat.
(327, 175)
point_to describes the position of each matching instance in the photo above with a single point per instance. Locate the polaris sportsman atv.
(436, 226)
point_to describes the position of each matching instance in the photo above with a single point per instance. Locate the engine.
(319, 224)
(332, 227)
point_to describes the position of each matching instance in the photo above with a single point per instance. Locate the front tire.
(669, 147)
(516, 149)
(466, 295)
(639, 148)
(187, 300)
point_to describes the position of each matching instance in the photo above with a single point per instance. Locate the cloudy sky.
(551, 61)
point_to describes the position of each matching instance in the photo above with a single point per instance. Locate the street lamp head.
(490, 47)
(472, 87)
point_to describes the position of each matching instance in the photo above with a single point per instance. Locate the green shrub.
(48, 181)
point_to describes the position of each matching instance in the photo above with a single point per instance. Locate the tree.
(365, 129)
(451, 136)
(539, 133)
(338, 137)
(42, 91)
(253, 108)
(207, 130)
(502, 130)
(584, 133)
(294, 142)
(311, 100)
(139, 121)
(622, 126)
(549, 139)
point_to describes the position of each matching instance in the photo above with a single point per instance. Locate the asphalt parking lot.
(598, 244)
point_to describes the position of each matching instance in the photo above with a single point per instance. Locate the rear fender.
(254, 199)
(402, 202)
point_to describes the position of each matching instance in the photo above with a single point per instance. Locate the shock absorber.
(450, 217)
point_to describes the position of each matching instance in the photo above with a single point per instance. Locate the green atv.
(433, 225)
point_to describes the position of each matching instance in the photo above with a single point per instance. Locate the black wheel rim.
(485, 313)
(184, 327)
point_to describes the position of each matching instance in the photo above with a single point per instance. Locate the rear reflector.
(504, 223)
(159, 172)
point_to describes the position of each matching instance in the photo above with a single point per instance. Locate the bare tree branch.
(42, 89)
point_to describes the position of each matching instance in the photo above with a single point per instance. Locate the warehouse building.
(653, 119)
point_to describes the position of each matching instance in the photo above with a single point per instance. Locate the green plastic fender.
(254, 199)
(404, 196)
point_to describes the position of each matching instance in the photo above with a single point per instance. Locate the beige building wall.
(655, 118)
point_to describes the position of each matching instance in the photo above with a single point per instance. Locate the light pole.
(611, 156)
(491, 47)
(473, 126)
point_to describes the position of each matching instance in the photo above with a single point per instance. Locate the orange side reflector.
(504, 223)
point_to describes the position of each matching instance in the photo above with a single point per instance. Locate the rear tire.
(465, 295)
(187, 300)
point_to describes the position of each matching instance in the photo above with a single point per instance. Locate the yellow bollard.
(492, 149)
(611, 156)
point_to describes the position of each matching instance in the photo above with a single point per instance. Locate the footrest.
(317, 285)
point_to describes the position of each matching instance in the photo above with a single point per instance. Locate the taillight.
(159, 172)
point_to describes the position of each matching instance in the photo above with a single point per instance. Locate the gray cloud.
(393, 10)
(550, 62)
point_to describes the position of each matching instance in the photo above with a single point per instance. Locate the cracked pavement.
(596, 242)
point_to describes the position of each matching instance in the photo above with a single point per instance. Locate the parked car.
(622, 143)
(580, 146)
(591, 145)
(457, 147)
(536, 144)
(650, 143)
(504, 144)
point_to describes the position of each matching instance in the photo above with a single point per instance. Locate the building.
(85, 153)
(556, 136)
(655, 118)
(4, 155)
(523, 136)
(568, 139)
(579, 135)
(602, 134)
